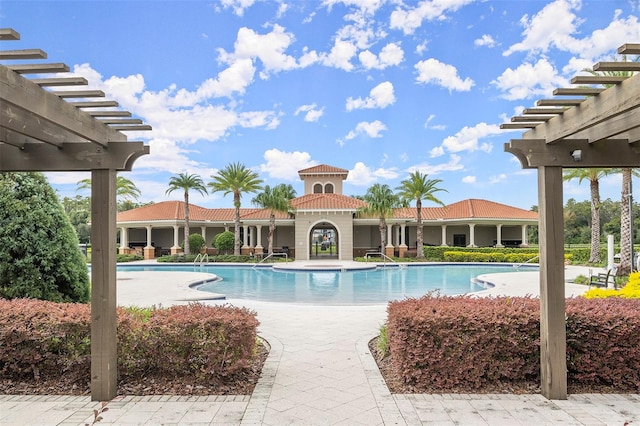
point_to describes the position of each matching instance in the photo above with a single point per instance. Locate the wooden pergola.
(45, 129)
(582, 127)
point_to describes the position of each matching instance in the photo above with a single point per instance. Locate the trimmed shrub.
(445, 343)
(196, 243)
(224, 242)
(208, 344)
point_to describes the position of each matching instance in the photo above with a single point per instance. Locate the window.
(317, 188)
(328, 188)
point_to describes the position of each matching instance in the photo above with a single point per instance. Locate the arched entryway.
(323, 241)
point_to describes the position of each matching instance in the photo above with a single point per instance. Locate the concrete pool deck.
(319, 371)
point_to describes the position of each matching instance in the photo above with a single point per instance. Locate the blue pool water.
(354, 287)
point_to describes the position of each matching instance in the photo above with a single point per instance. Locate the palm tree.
(626, 263)
(277, 199)
(419, 188)
(593, 175)
(125, 188)
(380, 202)
(236, 179)
(186, 182)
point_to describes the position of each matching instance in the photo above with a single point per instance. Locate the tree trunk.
(625, 225)
(272, 228)
(419, 236)
(383, 231)
(595, 222)
(187, 249)
(236, 231)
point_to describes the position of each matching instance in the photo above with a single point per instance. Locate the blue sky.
(380, 88)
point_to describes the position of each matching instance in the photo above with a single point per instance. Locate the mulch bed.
(69, 385)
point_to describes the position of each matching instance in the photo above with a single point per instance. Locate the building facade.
(325, 225)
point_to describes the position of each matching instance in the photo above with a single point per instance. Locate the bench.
(600, 280)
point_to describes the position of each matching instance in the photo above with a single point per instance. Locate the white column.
(398, 235)
(403, 234)
(176, 236)
(148, 236)
(472, 235)
(245, 236)
(525, 243)
(124, 237)
(499, 235)
(444, 235)
(259, 238)
(203, 232)
(389, 234)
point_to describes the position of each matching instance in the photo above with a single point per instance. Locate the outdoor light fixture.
(577, 155)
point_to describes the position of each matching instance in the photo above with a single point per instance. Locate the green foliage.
(383, 341)
(224, 241)
(196, 242)
(128, 258)
(39, 253)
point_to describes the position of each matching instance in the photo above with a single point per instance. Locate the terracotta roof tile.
(322, 169)
(466, 209)
(327, 202)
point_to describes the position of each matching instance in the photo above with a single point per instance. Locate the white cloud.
(467, 139)
(285, 165)
(551, 27)
(498, 178)
(363, 175)
(380, 96)
(453, 164)
(485, 40)
(437, 151)
(469, 179)
(421, 48)
(390, 55)
(238, 6)
(427, 124)
(269, 48)
(340, 56)
(313, 114)
(529, 80)
(372, 129)
(409, 19)
(445, 75)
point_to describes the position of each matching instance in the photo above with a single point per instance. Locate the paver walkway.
(319, 371)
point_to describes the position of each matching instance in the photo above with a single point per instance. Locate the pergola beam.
(611, 153)
(30, 102)
(72, 156)
(593, 111)
(23, 54)
(39, 68)
(60, 81)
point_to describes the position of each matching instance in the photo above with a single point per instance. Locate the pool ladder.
(202, 258)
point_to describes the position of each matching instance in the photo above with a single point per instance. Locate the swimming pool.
(352, 287)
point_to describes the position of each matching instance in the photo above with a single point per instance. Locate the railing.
(202, 258)
(383, 256)
(286, 258)
(516, 266)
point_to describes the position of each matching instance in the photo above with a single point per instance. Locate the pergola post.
(553, 346)
(104, 354)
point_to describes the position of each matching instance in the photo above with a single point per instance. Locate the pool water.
(354, 287)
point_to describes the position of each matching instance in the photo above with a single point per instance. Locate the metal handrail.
(286, 258)
(384, 258)
(202, 257)
(516, 266)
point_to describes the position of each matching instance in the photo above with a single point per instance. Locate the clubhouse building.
(325, 225)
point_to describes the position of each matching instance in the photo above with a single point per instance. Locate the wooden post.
(104, 356)
(553, 344)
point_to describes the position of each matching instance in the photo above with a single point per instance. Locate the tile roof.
(327, 202)
(322, 169)
(466, 209)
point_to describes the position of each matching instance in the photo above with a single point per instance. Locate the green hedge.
(207, 344)
(442, 343)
